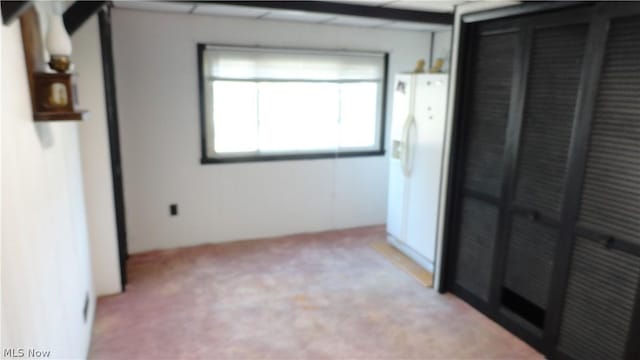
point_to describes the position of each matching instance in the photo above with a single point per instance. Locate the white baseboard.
(412, 254)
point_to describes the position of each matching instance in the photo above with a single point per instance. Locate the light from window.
(262, 103)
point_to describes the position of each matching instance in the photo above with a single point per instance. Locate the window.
(270, 104)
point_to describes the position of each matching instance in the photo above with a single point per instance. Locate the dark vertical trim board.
(203, 106)
(383, 110)
(114, 138)
(456, 163)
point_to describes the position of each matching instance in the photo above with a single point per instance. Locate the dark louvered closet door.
(552, 87)
(545, 216)
(605, 267)
(483, 167)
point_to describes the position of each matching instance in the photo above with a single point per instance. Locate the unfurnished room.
(374, 179)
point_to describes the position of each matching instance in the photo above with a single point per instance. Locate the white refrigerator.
(415, 167)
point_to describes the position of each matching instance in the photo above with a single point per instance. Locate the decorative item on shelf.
(53, 94)
(419, 67)
(58, 44)
(437, 67)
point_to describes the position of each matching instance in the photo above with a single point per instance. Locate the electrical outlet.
(173, 209)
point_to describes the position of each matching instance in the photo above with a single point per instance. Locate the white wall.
(96, 160)
(45, 256)
(157, 86)
(442, 48)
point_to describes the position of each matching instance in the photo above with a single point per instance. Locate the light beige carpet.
(310, 296)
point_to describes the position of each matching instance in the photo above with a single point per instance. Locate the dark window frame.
(206, 159)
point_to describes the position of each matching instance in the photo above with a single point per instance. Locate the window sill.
(287, 157)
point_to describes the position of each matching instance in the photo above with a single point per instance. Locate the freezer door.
(397, 196)
(426, 142)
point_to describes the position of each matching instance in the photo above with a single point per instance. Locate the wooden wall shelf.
(61, 116)
(53, 95)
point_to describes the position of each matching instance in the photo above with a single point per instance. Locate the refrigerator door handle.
(413, 127)
(406, 142)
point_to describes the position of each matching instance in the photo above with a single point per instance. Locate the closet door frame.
(597, 17)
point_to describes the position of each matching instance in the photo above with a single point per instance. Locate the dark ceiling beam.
(522, 9)
(330, 7)
(13, 9)
(80, 12)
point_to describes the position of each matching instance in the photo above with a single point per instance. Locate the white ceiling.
(304, 16)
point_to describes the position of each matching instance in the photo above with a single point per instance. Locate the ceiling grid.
(266, 13)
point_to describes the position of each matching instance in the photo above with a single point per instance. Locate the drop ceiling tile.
(358, 21)
(369, 2)
(229, 10)
(162, 6)
(413, 26)
(304, 16)
(425, 5)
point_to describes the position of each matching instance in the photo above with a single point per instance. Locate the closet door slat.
(478, 225)
(603, 282)
(552, 88)
(530, 260)
(546, 217)
(611, 193)
(599, 302)
(490, 98)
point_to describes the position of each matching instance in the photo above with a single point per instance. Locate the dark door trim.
(106, 45)
(462, 85)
